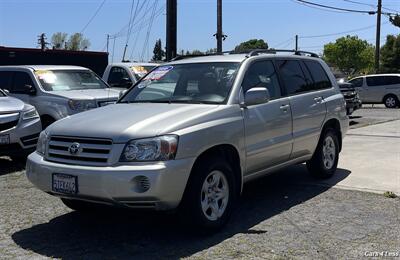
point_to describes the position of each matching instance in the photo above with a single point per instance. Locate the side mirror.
(255, 96)
(125, 82)
(30, 90)
(121, 93)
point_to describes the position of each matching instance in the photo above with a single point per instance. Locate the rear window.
(321, 80)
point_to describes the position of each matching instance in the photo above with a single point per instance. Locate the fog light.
(141, 184)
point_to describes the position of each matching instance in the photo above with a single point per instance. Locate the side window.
(376, 81)
(262, 74)
(357, 83)
(392, 80)
(118, 77)
(5, 80)
(20, 81)
(293, 77)
(321, 79)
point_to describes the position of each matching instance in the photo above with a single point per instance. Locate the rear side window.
(357, 83)
(293, 77)
(392, 80)
(21, 80)
(118, 76)
(5, 80)
(262, 74)
(376, 81)
(321, 80)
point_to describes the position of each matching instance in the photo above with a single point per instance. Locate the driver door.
(268, 126)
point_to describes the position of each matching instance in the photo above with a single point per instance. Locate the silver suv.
(190, 133)
(56, 91)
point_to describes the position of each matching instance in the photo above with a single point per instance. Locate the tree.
(77, 42)
(251, 45)
(350, 54)
(58, 40)
(158, 51)
(390, 54)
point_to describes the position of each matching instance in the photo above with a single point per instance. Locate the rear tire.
(391, 101)
(210, 195)
(324, 162)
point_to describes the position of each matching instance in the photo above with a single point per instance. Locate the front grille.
(93, 152)
(30, 139)
(8, 121)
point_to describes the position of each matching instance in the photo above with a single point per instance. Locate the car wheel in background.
(210, 194)
(324, 162)
(391, 101)
(46, 121)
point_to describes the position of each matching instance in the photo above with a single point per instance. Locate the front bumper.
(117, 185)
(23, 137)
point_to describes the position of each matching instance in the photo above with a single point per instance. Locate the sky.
(275, 21)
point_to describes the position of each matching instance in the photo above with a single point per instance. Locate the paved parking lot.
(286, 215)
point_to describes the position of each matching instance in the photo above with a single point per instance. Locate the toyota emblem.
(74, 148)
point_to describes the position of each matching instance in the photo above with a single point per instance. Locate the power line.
(359, 3)
(336, 8)
(318, 8)
(146, 42)
(94, 15)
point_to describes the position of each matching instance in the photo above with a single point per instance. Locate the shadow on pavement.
(9, 166)
(151, 235)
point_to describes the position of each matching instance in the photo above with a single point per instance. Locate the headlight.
(162, 148)
(42, 143)
(30, 114)
(82, 105)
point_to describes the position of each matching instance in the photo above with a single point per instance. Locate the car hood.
(124, 122)
(10, 104)
(89, 94)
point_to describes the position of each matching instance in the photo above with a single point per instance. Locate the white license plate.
(4, 139)
(64, 183)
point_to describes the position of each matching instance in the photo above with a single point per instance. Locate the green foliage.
(251, 45)
(58, 40)
(351, 55)
(390, 54)
(158, 51)
(77, 42)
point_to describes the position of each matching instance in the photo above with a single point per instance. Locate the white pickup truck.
(122, 76)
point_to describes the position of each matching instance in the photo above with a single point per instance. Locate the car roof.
(131, 64)
(45, 67)
(235, 58)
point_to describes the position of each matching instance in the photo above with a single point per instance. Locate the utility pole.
(297, 43)
(108, 41)
(219, 26)
(378, 36)
(171, 40)
(123, 56)
(42, 41)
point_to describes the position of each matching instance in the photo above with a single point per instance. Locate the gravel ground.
(286, 215)
(373, 114)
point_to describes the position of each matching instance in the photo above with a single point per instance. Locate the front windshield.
(59, 80)
(208, 83)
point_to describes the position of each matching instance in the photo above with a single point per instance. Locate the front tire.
(210, 195)
(324, 162)
(391, 101)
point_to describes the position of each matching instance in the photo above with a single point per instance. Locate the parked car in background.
(123, 75)
(353, 101)
(19, 127)
(379, 89)
(192, 132)
(56, 91)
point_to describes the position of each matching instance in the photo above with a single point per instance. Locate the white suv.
(56, 91)
(192, 132)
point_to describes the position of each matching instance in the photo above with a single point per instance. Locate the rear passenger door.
(376, 89)
(268, 126)
(305, 84)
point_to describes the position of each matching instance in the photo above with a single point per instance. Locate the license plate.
(64, 183)
(4, 139)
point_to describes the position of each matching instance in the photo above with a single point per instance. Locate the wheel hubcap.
(390, 102)
(214, 195)
(329, 152)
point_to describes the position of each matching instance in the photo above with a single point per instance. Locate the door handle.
(318, 99)
(284, 108)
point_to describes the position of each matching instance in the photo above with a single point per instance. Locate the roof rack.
(274, 51)
(182, 57)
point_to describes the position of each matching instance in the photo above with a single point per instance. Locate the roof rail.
(274, 51)
(182, 57)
